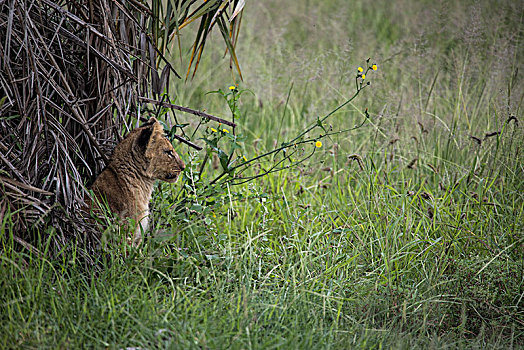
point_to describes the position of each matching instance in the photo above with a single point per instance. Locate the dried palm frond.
(73, 75)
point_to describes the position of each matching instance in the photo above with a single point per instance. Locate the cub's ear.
(150, 122)
(144, 137)
(155, 126)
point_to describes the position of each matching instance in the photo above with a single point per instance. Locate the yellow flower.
(214, 215)
(226, 131)
(318, 144)
(363, 76)
(232, 87)
(213, 130)
(360, 69)
(374, 67)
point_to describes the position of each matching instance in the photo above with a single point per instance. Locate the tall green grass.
(418, 245)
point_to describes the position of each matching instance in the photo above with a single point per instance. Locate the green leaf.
(197, 207)
(224, 160)
(319, 123)
(211, 143)
(2, 101)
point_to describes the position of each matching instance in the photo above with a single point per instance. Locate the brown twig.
(187, 110)
(189, 143)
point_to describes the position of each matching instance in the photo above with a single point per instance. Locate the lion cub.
(143, 156)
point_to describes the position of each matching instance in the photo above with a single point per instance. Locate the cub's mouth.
(172, 176)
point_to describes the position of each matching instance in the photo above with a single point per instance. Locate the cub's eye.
(169, 153)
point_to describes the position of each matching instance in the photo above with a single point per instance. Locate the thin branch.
(293, 142)
(187, 110)
(25, 186)
(189, 143)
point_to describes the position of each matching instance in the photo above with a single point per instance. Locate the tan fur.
(144, 156)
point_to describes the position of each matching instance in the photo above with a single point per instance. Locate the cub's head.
(163, 163)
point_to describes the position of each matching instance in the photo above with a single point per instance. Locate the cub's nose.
(181, 165)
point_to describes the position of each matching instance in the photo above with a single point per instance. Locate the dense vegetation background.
(405, 232)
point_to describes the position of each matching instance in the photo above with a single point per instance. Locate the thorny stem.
(293, 143)
(328, 115)
(272, 169)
